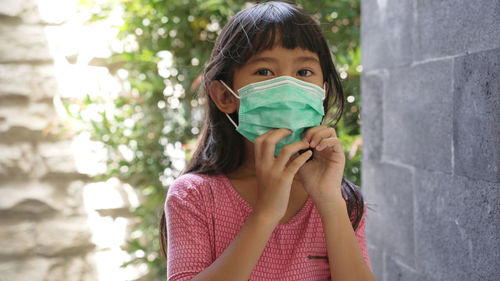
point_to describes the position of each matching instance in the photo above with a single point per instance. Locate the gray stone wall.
(431, 135)
(56, 222)
(44, 233)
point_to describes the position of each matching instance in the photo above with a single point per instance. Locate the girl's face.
(278, 61)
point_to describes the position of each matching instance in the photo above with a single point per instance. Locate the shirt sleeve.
(361, 236)
(188, 246)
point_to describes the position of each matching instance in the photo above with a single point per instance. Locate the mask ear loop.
(236, 96)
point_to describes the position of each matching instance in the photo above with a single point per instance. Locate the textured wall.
(47, 230)
(44, 233)
(431, 135)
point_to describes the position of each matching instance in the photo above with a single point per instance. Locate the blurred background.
(99, 113)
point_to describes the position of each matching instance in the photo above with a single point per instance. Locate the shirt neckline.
(249, 208)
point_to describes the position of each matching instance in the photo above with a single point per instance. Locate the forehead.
(277, 40)
(278, 53)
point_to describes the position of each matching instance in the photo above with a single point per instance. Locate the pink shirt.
(203, 215)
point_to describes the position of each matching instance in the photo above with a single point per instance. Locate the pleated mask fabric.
(282, 102)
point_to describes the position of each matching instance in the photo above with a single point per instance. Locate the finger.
(258, 145)
(289, 150)
(267, 142)
(295, 165)
(322, 134)
(309, 133)
(332, 142)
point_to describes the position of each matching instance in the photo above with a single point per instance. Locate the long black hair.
(252, 30)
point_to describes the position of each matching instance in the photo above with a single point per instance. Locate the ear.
(327, 87)
(223, 99)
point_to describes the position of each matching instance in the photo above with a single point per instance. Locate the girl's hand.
(275, 174)
(322, 176)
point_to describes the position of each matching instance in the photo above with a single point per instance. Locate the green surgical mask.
(282, 102)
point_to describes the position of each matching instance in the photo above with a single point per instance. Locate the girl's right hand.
(275, 174)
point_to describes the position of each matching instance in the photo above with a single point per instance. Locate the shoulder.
(186, 196)
(193, 187)
(188, 185)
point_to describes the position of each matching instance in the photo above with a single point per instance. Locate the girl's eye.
(304, 72)
(263, 72)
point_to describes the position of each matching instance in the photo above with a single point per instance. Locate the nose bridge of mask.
(278, 98)
(279, 81)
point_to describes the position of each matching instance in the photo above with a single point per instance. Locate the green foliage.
(157, 114)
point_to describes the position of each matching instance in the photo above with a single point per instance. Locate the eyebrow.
(307, 58)
(273, 60)
(262, 59)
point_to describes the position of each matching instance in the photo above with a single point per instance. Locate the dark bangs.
(273, 23)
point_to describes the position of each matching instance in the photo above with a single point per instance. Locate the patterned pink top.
(203, 215)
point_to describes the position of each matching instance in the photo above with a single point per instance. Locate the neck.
(247, 169)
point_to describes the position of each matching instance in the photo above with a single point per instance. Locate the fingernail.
(320, 147)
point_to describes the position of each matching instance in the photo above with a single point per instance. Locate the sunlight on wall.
(74, 45)
(109, 231)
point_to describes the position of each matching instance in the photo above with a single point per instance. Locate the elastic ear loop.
(236, 96)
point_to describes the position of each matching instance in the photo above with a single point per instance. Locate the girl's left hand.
(322, 176)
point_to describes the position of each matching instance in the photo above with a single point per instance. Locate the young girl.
(264, 197)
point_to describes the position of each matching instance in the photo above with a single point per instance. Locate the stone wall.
(44, 233)
(48, 231)
(431, 135)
